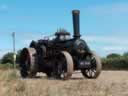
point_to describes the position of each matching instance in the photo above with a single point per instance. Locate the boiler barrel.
(76, 25)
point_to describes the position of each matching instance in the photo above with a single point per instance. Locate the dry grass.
(110, 83)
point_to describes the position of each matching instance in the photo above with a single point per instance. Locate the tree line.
(115, 61)
(112, 61)
(8, 58)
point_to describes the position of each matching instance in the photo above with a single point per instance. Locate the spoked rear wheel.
(95, 69)
(28, 66)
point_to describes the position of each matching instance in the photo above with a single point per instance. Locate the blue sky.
(104, 23)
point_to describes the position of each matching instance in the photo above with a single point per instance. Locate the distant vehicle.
(61, 56)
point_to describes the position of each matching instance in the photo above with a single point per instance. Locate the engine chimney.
(76, 25)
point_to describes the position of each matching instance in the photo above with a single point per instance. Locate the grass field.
(109, 83)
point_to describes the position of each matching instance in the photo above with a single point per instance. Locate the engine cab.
(62, 35)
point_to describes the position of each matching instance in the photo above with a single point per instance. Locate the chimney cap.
(76, 11)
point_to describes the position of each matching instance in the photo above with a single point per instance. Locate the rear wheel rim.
(28, 62)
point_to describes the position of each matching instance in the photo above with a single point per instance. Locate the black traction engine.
(61, 56)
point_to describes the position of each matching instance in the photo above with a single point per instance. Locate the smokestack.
(76, 25)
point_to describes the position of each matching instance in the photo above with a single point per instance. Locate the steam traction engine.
(61, 56)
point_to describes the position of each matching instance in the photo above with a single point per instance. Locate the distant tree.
(113, 55)
(125, 54)
(7, 58)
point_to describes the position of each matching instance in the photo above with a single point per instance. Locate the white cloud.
(3, 7)
(115, 8)
(26, 42)
(34, 36)
(107, 39)
(107, 44)
(115, 48)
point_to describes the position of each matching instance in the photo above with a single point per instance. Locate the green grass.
(7, 66)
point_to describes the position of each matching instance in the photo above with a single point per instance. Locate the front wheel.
(95, 69)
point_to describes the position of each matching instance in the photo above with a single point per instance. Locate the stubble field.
(109, 83)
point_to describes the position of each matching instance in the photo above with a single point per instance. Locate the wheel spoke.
(95, 69)
(91, 73)
(93, 60)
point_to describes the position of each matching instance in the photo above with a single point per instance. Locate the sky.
(103, 23)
